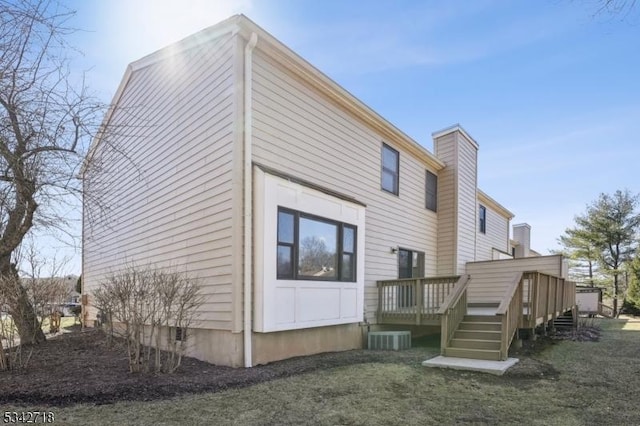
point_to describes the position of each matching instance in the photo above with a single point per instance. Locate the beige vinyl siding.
(168, 185)
(490, 279)
(300, 132)
(467, 206)
(497, 235)
(445, 150)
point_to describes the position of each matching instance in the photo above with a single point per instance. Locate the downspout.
(248, 204)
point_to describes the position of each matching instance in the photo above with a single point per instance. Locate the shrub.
(149, 306)
(630, 307)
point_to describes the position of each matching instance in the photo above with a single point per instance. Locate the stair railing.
(605, 310)
(452, 311)
(510, 310)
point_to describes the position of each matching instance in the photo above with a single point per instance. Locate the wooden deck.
(530, 299)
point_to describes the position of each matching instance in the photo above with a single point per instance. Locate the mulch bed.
(80, 367)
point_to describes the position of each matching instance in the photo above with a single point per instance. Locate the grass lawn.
(7, 327)
(593, 383)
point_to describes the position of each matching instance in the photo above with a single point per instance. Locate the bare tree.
(617, 7)
(46, 289)
(314, 256)
(613, 10)
(45, 125)
(43, 279)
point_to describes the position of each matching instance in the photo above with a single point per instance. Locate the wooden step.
(475, 344)
(487, 354)
(563, 321)
(476, 325)
(477, 334)
(482, 318)
(484, 305)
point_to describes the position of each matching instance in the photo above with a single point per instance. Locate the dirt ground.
(78, 366)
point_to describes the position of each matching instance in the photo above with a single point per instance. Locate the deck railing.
(546, 297)
(510, 309)
(452, 311)
(605, 310)
(413, 300)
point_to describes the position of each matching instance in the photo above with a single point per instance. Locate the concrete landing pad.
(492, 367)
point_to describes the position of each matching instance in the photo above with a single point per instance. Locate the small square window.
(181, 334)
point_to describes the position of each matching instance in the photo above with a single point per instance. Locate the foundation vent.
(389, 340)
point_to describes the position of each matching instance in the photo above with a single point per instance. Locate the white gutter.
(248, 204)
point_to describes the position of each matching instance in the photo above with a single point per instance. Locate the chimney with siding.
(522, 234)
(457, 199)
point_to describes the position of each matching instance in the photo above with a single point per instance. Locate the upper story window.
(483, 219)
(432, 191)
(390, 169)
(314, 248)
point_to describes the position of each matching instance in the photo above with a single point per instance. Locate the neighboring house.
(296, 205)
(58, 291)
(71, 282)
(521, 242)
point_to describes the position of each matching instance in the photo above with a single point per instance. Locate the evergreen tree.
(582, 253)
(605, 240)
(611, 224)
(633, 293)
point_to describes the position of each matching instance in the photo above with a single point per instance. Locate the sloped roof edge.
(243, 25)
(486, 199)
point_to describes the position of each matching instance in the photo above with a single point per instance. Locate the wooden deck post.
(533, 313)
(419, 292)
(379, 313)
(554, 313)
(444, 326)
(504, 346)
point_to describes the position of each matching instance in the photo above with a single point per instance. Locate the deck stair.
(477, 337)
(564, 321)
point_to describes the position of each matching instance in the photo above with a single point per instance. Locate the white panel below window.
(318, 304)
(348, 302)
(285, 297)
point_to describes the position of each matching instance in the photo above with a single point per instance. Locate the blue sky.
(549, 88)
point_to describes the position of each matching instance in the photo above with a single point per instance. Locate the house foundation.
(269, 347)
